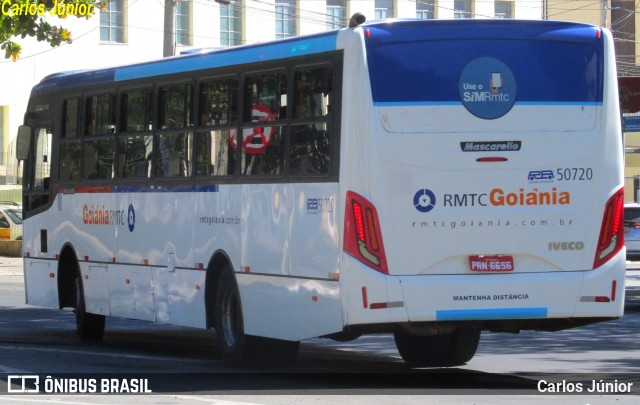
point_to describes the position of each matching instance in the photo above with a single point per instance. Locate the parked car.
(632, 228)
(10, 221)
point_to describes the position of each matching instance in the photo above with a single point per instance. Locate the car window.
(631, 217)
(631, 214)
(15, 215)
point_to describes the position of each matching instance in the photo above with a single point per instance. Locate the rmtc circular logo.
(132, 218)
(424, 200)
(487, 88)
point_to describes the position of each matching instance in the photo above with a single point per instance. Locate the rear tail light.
(611, 238)
(362, 235)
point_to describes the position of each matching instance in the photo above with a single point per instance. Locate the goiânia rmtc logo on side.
(487, 88)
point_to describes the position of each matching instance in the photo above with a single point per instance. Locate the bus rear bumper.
(489, 299)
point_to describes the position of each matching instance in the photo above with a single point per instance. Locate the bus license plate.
(491, 264)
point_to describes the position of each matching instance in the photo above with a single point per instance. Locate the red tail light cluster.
(611, 238)
(362, 235)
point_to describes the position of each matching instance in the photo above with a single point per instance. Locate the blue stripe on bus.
(277, 50)
(487, 314)
(416, 103)
(189, 188)
(458, 103)
(287, 48)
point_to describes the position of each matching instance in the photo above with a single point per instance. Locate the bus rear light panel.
(363, 238)
(611, 238)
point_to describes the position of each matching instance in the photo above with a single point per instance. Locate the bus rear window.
(560, 63)
(429, 71)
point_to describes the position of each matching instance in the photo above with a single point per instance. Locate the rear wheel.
(452, 349)
(88, 326)
(236, 348)
(422, 351)
(463, 344)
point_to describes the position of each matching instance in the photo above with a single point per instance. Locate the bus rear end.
(489, 194)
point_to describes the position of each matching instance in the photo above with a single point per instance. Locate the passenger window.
(262, 142)
(100, 117)
(265, 97)
(136, 108)
(70, 158)
(313, 92)
(134, 147)
(98, 159)
(309, 151)
(218, 102)
(135, 156)
(100, 121)
(311, 130)
(174, 156)
(176, 106)
(71, 108)
(214, 154)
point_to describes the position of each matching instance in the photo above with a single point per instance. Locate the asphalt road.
(184, 367)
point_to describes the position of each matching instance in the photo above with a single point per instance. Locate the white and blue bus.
(430, 179)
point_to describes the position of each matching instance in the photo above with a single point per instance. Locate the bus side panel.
(370, 297)
(178, 296)
(40, 288)
(131, 292)
(603, 290)
(314, 230)
(95, 283)
(265, 211)
(360, 285)
(88, 223)
(289, 308)
(288, 274)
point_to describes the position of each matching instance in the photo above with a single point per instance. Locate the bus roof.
(306, 45)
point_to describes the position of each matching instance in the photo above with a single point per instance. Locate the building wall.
(584, 11)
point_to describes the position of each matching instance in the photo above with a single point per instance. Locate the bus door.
(34, 150)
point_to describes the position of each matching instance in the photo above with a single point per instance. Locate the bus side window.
(100, 116)
(311, 130)
(71, 115)
(135, 143)
(70, 147)
(176, 106)
(218, 102)
(100, 123)
(175, 116)
(262, 139)
(42, 174)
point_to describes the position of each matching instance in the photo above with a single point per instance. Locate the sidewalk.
(11, 266)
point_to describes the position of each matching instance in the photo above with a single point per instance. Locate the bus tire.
(422, 351)
(88, 326)
(463, 344)
(236, 348)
